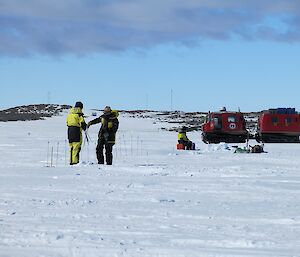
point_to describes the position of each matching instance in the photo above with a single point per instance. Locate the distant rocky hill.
(32, 112)
(192, 120)
(170, 120)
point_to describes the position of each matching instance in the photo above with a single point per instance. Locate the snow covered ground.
(154, 200)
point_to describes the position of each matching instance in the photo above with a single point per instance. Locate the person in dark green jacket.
(107, 134)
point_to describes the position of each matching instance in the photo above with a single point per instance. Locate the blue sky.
(120, 53)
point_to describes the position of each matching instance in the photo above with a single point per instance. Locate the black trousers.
(108, 152)
(187, 144)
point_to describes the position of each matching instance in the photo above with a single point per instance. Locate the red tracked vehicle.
(223, 126)
(281, 125)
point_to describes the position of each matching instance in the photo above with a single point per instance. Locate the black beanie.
(79, 105)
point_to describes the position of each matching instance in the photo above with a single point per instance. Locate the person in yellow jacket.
(183, 139)
(75, 123)
(107, 134)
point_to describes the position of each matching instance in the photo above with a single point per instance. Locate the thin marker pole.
(137, 145)
(88, 152)
(48, 148)
(57, 149)
(125, 146)
(131, 146)
(147, 102)
(51, 157)
(171, 99)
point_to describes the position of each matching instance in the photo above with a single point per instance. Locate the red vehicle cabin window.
(231, 119)
(275, 121)
(217, 121)
(288, 121)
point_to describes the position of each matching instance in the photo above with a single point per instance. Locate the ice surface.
(154, 200)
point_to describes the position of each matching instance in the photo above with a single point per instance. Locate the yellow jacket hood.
(76, 110)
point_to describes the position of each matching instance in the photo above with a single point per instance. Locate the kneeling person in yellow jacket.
(183, 139)
(76, 124)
